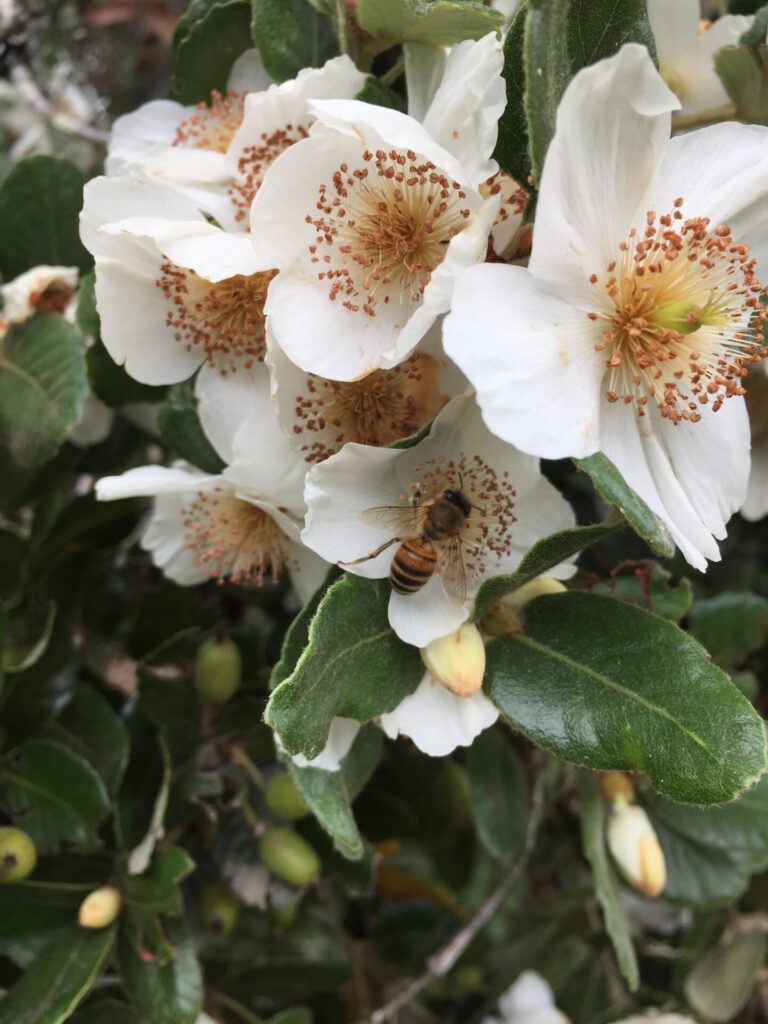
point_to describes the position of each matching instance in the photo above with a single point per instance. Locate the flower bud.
(457, 660)
(18, 855)
(284, 799)
(289, 856)
(100, 907)
(504, 616)
(617, 787)
(219, 908)
(218, 669)
(636, 848)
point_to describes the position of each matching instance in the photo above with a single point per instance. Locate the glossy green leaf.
(40, 202)
(544, 555)
(593, 824)
(730, 625)
(354, 667)
(297, 636)
(699, 875)
(30, 920)
(606, 685)
(290, 35)
(54, 795)
(43, 387)
(374, 91)
(180, 428)
(58, 979)
(14, 556)
(612, 487)
(720, 984)
(27, 637)
(156, 891)
(94, 730)
(512, 144)
(436, 22)
(208, 48)
(563, 36)
(168, 990)
(499, 794)
(109, 1011)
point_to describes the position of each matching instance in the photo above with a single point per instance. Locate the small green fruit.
(218, 670)
(219, 908)
(18, 855)
(289, 856)
(283, 797)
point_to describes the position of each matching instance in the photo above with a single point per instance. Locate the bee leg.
(373, 554)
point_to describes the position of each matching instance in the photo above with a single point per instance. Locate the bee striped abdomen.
(414, 563)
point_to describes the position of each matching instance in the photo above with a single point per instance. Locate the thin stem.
(394, 72)
(441, 962)
(237, 1008)
(239, 756)
(341, 25)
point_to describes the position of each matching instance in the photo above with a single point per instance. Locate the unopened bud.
(457, 660)
(617, 787)
(100, 907)
(18, 855)
(504, 616)
(636, 848)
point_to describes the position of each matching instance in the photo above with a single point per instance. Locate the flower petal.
(148, 481)
(306, 569)
(224, 403)
(427, 614)
(248, 74)
(136, 134)
(424, 67)
(755, 504)
(341, 736)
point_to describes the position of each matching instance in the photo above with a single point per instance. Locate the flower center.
(684, 318)
(212, 127)
(486, 535)
(54, 298)
(232, 539)
(225, 319)
(383, 228)
(254, 163)
(376, 410)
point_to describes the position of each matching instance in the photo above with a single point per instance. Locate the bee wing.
(403, 520)
(452, 569)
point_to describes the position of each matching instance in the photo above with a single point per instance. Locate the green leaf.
(30, 920)
(744, 74)
(157, 890)
(593, 823)
(206, 51)
(512, 144)
(58, 979)
(43, 386)
(436, 22)
(295, 1015)
(108, 1011)
(608, 686)
(649, 585)
(297, 636)
(731, 625)
(290, 35)
(86, 314)
(563, 36)
(755, 35)
(720, 984)
(40, 202)
(180, 429)
(499, 794)
(112, 384)
(544, 555)
(54, 795)
(700, 875)
(612, 487)
(95, 731)
(354, 667)
(14, 556)
(168, 991)
(380, 95)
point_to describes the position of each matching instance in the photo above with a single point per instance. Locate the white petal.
(756, 502)
(164, 539)
(437, 720)
(224, 403)
(18, 293)
(136, 135)
(248, 74)
(424, 66)
(540, 512)
(675, 26)
(530, 357)
(426, 615)
(212, 253)
(95, 425)
(148, 481)
(341, 736)
(306, 569)
(612, 131)
(464, 114)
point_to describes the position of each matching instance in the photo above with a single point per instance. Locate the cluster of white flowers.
(340, 275)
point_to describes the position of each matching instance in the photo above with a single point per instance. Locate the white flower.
(512, 506)
(631, 329)
(242, 525)
(50, 289)
(370, 219)
(321, 415)
(217, 154)
(686, 49)
(174, 292)
(755, 504)
(528, 1001)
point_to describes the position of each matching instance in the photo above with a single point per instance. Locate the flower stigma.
(383, 228)
(377, 409)
(212, 127)
(683, 316)
(226, 319)
(233, 539)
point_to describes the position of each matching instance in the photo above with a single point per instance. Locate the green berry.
(218, 670)
(18, 855)
(289, 856)
(219, 908)
(284, 799)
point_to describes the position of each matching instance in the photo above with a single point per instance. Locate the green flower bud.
(218, 670)
(100, 907)
(289, 856)
(284, 799)
(219, 908)
(18, 855)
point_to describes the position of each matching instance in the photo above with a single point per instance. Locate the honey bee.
(429, 537)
